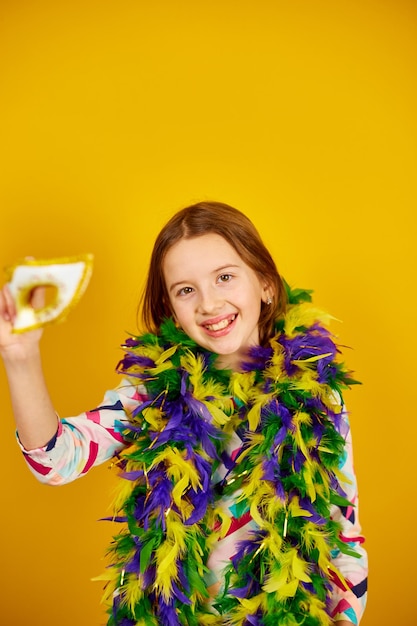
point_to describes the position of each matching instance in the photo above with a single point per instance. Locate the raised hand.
(17, 345)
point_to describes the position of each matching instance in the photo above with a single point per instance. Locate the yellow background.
(302, 114)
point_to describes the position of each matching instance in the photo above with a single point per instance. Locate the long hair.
(201, 219)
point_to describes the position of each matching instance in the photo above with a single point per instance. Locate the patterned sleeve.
(349, 604)
(86, 440)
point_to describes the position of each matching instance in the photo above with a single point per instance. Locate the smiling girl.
(238, 501)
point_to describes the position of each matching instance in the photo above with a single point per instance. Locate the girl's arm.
(36, 420)
(57, 451)
(87, 440)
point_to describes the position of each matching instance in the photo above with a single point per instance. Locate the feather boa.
(288, 400)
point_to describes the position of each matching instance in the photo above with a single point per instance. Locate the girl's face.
(215, 297)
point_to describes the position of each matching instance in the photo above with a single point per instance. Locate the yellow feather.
(219, 417)
(300, 568)
(123, 492)
(295, 510)
(278, 356)
(301, 418)
(241, 385)
(252, 605)
(255, 439)
(308, 536)
(167, 554)
(167, 354)
(207, 389)
(225, 521)
(311, 488)
(179, 490)
(304, 315)
(311, 359)
(285, 580)
(154, 417)
(341, 476)
(340, 576)
(273, 543)
(133, 592)
(317, 539)
(167, 571)
(177, 466)
(162, 367)
(127, 451)
(288, 590)
(273, 506)
(254, 484)
(316, 608)
(111, 575)
(276, 580)
(254, 414)
(254, 511)
(186, 509)
(176, 530)
(303, 445)
(152, 351)
(308, 382)
(193, 364)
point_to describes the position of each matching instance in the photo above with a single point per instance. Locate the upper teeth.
(220, 325)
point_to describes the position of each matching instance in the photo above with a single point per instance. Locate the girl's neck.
(232, 362)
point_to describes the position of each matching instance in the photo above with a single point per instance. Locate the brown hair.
(200, 219)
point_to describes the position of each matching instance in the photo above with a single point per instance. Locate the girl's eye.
(225, 278)
(184, 291)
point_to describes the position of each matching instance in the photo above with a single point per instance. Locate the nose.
(209, 301)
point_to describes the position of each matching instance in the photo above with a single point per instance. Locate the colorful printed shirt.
(92, 438)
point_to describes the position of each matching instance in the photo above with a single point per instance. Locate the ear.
(267, 294)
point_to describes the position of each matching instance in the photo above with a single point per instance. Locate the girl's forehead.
(206, 253)
(210, 245)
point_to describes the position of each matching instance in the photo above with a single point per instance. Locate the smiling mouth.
(222, 324)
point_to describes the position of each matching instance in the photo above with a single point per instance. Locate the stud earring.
(269, 300)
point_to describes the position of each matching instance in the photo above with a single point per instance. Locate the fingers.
(8, 309)
(37, 297)
(7, 305)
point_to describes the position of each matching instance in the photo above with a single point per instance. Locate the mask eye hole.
(50, 297)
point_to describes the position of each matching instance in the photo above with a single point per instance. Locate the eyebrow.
(215, 271)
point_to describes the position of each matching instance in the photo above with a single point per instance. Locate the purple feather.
(133, 566)
(159, 500)
(286, 416)
(247, 546)
(121, 519)
(315, 517)
(313, 343)
(182, 577)
(258, 358)
(280, 436)
(204, 469)
(180, 595)
(241, 592)
(200, 501)
(298, 461)
(132, 475)
(167, 614)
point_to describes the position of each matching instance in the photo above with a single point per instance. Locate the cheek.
(172, 311)
(179, 313)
